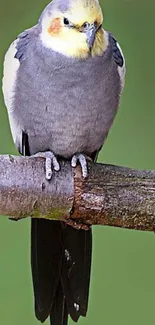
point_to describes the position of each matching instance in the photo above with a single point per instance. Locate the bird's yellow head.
(74, 28)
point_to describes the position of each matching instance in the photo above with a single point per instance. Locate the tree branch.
(111, 195)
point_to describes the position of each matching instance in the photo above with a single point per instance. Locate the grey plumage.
(62, 6)
(67, 106)
(60, 102)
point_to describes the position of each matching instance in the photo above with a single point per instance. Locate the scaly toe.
(82, 159)
(50, 162)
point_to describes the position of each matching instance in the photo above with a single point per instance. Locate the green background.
(123, 271)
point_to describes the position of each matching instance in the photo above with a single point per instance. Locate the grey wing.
(119, 59)
(120, 62)
(12, 61)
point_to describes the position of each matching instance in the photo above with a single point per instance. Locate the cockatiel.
(62, 84)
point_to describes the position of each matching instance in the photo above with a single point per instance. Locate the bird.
(62, 83)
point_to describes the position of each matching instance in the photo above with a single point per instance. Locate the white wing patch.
(11, 66)
(122, 70)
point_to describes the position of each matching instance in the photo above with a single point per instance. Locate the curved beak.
(91, 33)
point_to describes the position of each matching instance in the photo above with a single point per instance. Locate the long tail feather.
(61, 260)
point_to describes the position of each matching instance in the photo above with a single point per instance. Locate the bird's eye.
(66, 21)
(85, 25)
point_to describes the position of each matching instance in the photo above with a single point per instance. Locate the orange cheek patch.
(55, 26)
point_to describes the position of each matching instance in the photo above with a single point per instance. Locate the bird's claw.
(51, 162)
(82, 159)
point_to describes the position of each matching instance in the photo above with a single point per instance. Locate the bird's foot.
(51, 162)
(82, 159)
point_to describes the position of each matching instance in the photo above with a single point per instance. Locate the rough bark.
(24, 191)
(111, 195)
